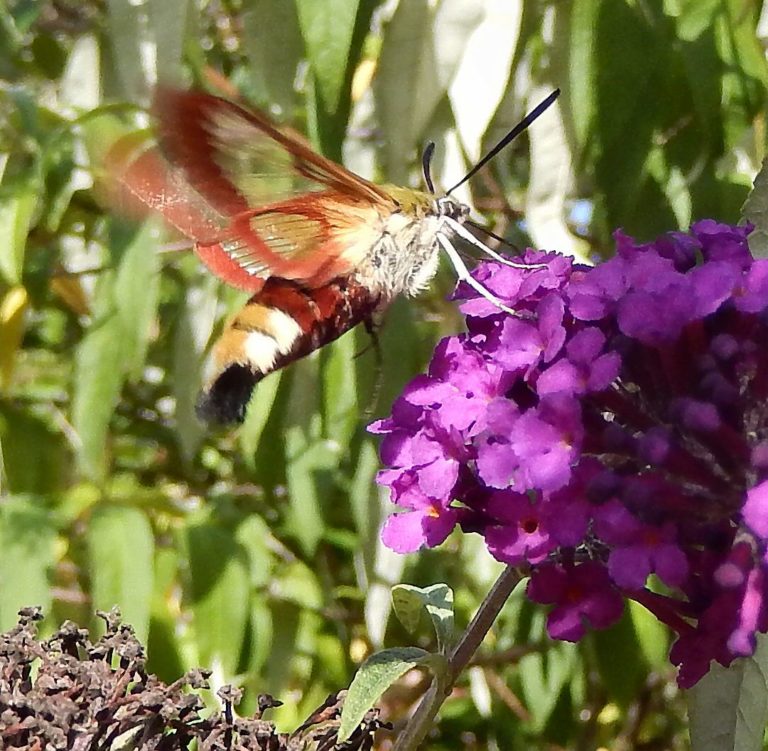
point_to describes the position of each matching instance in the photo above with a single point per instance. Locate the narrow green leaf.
(652, 637)
(262, 631)
(255, 537)
(298, 584)
(375, 676)
(27, 537)
(308, 456)
(121, 563)
(406, 87)
(284, 628)
(190, 335)
(136, 293)
(341, 412)
(17, 208)
(98, 379)
(755, 210)
(169, 20)
(220, 594)
(131, 39)
(728, 708)
(364, 501)
(436, 600)
(274, 48)
(259, 410)
(163, 652)
(327, 27)
(35, 459)
(619, 661)
(545, 676)
(581, 90)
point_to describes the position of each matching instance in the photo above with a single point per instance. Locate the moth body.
(319, 248)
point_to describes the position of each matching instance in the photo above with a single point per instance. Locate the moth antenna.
(426, 164)
(514, 133)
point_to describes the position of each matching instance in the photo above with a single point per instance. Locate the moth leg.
(372, 329)
(372, 325)
(462, 272)
(465, 234)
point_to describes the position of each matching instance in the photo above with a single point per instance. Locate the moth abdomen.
(279, 324)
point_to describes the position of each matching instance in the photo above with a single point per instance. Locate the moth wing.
(239, 159)
(256, 199)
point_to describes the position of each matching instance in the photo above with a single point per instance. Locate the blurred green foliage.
(254, 552)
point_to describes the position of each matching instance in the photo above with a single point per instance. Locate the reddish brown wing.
(257, 200)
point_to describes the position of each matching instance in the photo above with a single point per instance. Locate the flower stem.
(421, 721)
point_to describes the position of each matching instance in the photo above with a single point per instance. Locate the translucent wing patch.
(256, 199)
(239, 159)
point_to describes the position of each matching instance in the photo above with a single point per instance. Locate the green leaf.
(364, 501)
(545, 676)
(132, 44)
(196, 316)
(755, 210)
(17, 208)
(407, 84)
(274, 48)
(262, 631)
(98, 380)
(619, 661)
(309, 457)
(136, 293)
(259, 410)
(341, 412)
(163, 653)
(13, 307)
(170, 23)
(220, 592)
(27, 537)
(34, 458)
(121, 563)
(375, 676)
(327, 27)
(728, 708)
(581, 90)
(652, 637)
(436, 600)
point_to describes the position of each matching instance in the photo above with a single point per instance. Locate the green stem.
(421, 721)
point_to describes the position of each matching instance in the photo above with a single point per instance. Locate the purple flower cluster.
(611, 439)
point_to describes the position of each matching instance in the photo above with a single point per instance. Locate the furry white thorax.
(407, 255)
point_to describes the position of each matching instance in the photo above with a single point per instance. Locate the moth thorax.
(405, 257)
(453, 209)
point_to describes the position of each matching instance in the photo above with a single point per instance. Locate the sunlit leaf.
(728, 708)
(327, 27)
(17, 209)
(436, 600)
(375, 676)
(121, 563)
(27, 536)
(98, 380)
(12, 309)
(219, 593)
